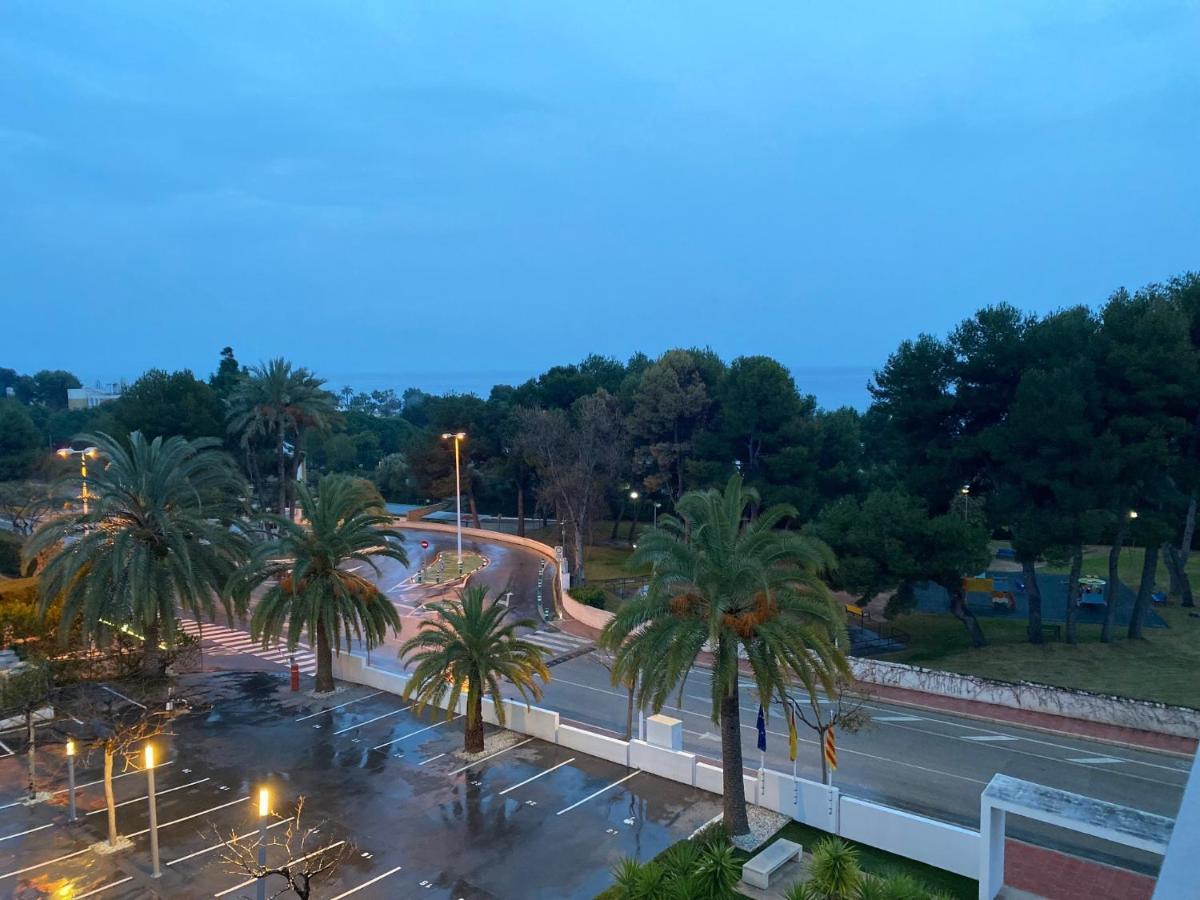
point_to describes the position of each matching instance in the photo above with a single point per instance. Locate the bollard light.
(264, 807)
(153, 810)
(264, 801)
(70, 780)
(149, 756)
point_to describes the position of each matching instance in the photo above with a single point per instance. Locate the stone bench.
(759, 869)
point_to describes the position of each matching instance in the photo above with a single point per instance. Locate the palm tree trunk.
(32, 752)
(629, 715)
(110, 801)
(283, 492)
(1111, 592)
(473, 742)
(1033, 597)
(1073, 593)
(151, 658)
(1149, 568)
(734, 788)
(324, 683)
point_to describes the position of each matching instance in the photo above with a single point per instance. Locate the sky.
(448, 194)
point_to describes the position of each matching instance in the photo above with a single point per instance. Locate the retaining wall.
(926, 840)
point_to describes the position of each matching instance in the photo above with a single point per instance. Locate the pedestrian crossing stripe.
(557, 642)
(230, 642)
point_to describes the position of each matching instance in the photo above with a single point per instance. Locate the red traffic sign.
(424, 545)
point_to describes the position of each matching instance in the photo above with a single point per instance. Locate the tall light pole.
(459, 437)
(656, 506)
(634, 496)
(70, 780)
(153, 810)
(84, 455)
(264, 803)
(966, 492)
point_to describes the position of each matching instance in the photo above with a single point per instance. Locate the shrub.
(590, 596)
(10, 555)
(834, 870)
(717, 872)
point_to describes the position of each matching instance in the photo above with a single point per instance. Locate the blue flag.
(762, 730)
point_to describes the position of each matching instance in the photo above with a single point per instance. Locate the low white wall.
(673, 764)
(1143, 715)
(588, 615)
(541, 723)
(709, 778)
(600, 745)
(925, 840)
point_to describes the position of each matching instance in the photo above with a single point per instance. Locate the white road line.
(122, 696)
(203, 812)
(7, 749)
(990, 737)
(48, 862)
(895, 718)
(486, 758)
(80, 787)
(431, 759)
(418, 731)
(367, 884)
(339, 706)
(598, 793)
(290, 862)
(1095, 760)
(394, 712)
(537, 776)
(27, 831)
(103, 809)
(240, 837)
(104, 887)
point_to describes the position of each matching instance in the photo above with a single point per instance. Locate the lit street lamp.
(965, 490)
(84, 455)
(656, 506)
(459, 437)
(70, 780)
(264, 803)
(153, 810)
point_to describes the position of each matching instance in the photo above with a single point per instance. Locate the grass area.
(435, 573)
(602, 559)
(1095, 562)
(879, 862)
(1160, 667)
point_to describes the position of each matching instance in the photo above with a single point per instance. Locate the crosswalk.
(233, 643)
(559, 643)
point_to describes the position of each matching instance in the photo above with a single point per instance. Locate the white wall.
(673, 764)
(925, 840)
(599, 745)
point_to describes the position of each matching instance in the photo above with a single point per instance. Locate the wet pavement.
(532, 820)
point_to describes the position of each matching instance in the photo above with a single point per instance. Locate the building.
(87, 398)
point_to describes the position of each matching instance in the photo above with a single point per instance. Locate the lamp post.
(84, 455)
(264, 802)
(153, 810)
(70, 780)
(459, 437)
(965, 490)
(634, 496)
(656, 506)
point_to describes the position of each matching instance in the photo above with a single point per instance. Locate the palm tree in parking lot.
(469, 647)
(156, 537)
(312, 591)
(738, 588)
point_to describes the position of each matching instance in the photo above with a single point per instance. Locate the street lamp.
(656, 506)
(264, 808)
(965, 490)
(153, 810)
(84, 455)
(459, 437)
(634, 495)
(70, 780)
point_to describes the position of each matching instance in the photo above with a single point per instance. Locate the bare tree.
(302, 866)
(847, 713)
(25, 690)
(629, 683)
(576, 456)
(24, 504)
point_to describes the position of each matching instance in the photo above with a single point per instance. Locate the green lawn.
(1161, 667)
(602, 559)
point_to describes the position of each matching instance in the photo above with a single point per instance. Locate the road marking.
(1095, 760)
(367, 884)
(240, 837)
(230, 641)
(48, 862)
(339, 706)
(96, 812)
(7, 750)
(27, 831)
(290, 862)
(990, 737)
(104, 887)
(537, 776)
(394, 712)
(895, 718)
(418, 731)
(598, 793)
(80, 787)
(122, 696)
(203, 812)
(486, 758)
(431, 759)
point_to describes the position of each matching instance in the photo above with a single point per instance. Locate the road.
(930, 763)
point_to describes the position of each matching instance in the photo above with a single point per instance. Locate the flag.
(791, 714)
(762, 730)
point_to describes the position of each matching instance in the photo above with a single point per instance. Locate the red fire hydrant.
(295, 674)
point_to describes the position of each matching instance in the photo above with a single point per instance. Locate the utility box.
(663, 731)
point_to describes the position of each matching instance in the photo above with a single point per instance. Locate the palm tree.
(735, 588)
(467, 645)
(156, 537)
(277, 402)
(311, 592)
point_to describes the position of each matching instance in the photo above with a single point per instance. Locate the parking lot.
(530, 819)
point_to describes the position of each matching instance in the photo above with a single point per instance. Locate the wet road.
(530, 820)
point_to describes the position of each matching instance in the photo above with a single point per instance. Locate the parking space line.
(104, 887)
(102, 809)
(7, 750)
(339, 706)
(80, 787)
(367, 884)
(989, 737)
(537, 776)
(599, 792)
(203, 812)
(431, 759)
(418, 731)
(394, 712)
(122, 696)
(240, 837)
(290, 862)
(48, 862)
(486, 758)
(8, 837)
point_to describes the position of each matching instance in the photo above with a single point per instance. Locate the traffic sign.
(424, 545)
(830, 750)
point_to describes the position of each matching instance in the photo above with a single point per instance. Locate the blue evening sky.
(448, 194)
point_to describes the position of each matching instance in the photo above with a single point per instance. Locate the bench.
(758, 871)
(1054, 632)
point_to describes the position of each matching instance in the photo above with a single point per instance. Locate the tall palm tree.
(156, 536)
(468, 646)
(278, 402)
(733, 587)
(311, 590)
